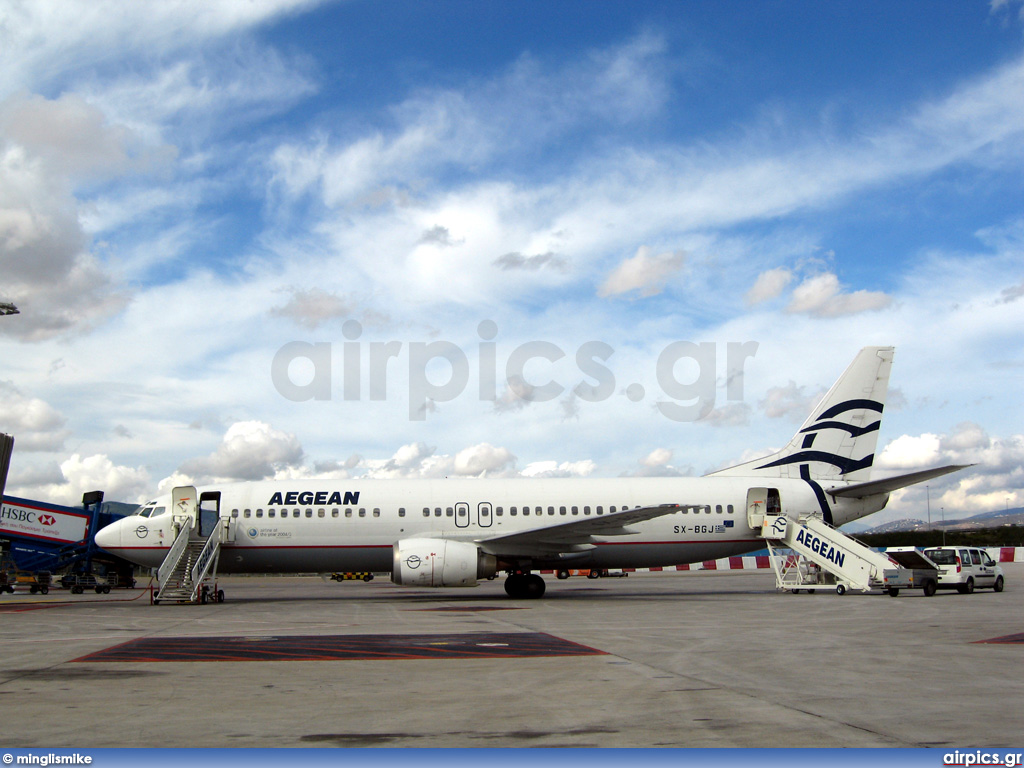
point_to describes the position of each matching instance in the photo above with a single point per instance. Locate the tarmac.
(697, 659)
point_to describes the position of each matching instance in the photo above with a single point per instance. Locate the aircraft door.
(209, 513)
(184, 505)
(462, 514)
(484, 514)
(757, 506)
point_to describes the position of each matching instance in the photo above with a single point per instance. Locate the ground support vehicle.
(966, 568)
(592, 573)
(822, 556)
(77, 583)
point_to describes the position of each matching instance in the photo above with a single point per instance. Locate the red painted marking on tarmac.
(1016, 639)
(483, 645)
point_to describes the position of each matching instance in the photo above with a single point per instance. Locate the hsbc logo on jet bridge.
(327, 498)
(34, 519)
(820, 547)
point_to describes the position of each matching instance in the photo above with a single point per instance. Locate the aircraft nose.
(109, 538)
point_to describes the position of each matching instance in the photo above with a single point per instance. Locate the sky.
(297, 239)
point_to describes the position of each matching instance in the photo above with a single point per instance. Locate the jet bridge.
(826, 557)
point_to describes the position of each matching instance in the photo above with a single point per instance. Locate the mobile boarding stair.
(192, 559)
(821, 556)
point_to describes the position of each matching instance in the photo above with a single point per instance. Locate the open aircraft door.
(210, 515)
(761, 502)
(184, 507)
(757, 506)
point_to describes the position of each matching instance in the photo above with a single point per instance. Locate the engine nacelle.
(440, 563)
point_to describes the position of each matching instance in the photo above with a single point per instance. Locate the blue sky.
(187, 188)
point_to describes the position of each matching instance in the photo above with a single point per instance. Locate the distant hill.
(995, 519)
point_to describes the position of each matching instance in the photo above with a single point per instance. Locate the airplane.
(457, 532)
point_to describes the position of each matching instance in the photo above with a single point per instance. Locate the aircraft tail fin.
(837, 442)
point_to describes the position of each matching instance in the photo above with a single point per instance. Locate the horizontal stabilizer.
(889, 484)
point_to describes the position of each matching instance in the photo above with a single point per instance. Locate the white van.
(966, 568)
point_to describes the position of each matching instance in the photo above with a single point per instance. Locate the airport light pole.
(942, 510)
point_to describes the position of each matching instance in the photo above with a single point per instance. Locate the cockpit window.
(157, 511)
(144, 510)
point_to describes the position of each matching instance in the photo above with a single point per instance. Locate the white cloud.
(34, 424)
(250, 450)
(659, 457)
(90, 473)
(46, 149)
(483, 459)
(995, 480)
(44, 38)
(910, 452)
(643, 272)
(789, 402)
(769, 285)
(822, 296)
(730, 415)
(542, 469)
(313, 307)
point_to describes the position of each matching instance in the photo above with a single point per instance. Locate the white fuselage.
(317, 526)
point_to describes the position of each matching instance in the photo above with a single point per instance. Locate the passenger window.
(348, 511)
(321, 512)
(575, 510)
(426, 511)
(362, 511)
(512, 511)
(449, 512)
(586, 510)
(498, 511)
(718, 509)
(551, 510)
(526, 511)
(437, 511)
(334, 512)
(376, 511)
(247, 513)
(309, 513)
(561, 510)
(259, 513)
(401, 511)
(284, 513)
(600, 510)
(271, 513)
(729, 509)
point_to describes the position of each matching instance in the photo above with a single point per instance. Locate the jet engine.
(440, 563)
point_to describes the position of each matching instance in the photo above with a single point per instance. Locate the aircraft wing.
(574, 536)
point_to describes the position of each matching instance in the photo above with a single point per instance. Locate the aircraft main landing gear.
(524, 586)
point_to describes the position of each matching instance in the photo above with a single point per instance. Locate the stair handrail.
(205, 560)
(166, 569)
